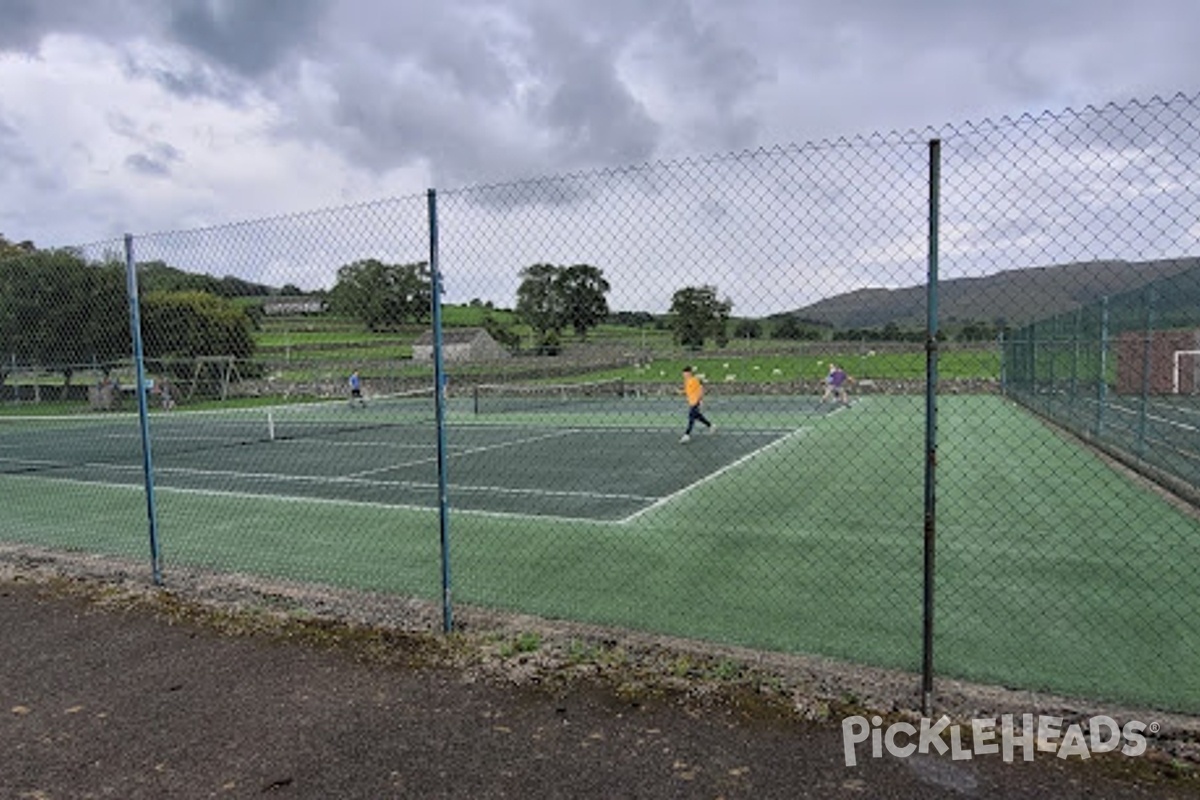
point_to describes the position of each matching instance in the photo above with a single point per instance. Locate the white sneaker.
(684, 439)
(712, 429)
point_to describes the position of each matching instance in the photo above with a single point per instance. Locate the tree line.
(57, 309)
(551, 300)
(61, 311)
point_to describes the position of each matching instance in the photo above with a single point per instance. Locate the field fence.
(1014, 304)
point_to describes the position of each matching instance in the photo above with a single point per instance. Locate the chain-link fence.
(1124, 374)
(479, 397)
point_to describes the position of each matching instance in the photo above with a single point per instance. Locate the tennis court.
(1162, 429)
(795, 527)
(605, 457)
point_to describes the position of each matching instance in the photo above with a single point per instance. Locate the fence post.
(1147, 352)
(135, 328)
(1102, 390)
(931, 377)
(1078, 322)
(439, 402)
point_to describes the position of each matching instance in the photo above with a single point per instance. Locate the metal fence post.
(439, 384)
(1078, 323)
(135, 327)
(931, 377)
(1147, 351)
(1102, 389)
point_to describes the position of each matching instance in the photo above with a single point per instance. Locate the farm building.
(287, 306)
(460, 344)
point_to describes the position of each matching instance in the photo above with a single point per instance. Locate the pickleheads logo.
(1045, 734)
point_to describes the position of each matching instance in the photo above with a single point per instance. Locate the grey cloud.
(27, 22)
(145, 165)
(251, 38)
(481, 91)
(21, 28)
(597, 120)
(157, 154)
(529, 97)
(194, 80)
(722, 74)
(165, 151)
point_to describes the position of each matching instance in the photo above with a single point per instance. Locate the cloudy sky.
(145, 115)
(159, 115)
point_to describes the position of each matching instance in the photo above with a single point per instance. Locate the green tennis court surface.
(794, 528)
(605, 459)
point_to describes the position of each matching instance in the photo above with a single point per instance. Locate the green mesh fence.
(1124, 374)
(282, 423)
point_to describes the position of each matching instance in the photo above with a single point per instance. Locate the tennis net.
(29, 443)
(501, 398)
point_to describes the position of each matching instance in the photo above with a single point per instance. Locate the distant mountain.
(1014, 297)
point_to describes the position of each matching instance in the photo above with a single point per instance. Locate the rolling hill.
(1013, 297)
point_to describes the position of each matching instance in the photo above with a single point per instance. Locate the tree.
(61, 312)
(697, 314)
(502, 333)
(583, 288)
(633, 319)
(383, 295)
(539, 304)
(748, 329)
(15, 249)
(791, 328)
(551, 298)
(179, 327)
(157, 276)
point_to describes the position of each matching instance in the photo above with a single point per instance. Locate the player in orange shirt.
(694, 389)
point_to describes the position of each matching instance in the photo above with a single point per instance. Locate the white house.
(279, 306)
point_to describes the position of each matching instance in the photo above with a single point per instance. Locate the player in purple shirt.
(836, 385)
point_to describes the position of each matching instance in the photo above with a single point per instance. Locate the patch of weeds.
(682, 666)
(612, 657)
(527, 642)
(581, 652)
(726, 670)
(772, 684)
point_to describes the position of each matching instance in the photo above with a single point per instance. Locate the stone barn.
(460, 345)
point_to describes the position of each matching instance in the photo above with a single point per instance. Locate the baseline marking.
(711, 476)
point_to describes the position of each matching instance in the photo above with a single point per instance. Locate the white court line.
(328, 501)
(1137, 412)
(1132, 411)
(359, 479)
(35, 462)
(234, 441)
(356, 481)
(468, 451)
(711, 476)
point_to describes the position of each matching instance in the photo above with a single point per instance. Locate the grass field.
(791, 530)
(323, 349)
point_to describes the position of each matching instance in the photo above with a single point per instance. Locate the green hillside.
(1014, 297)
